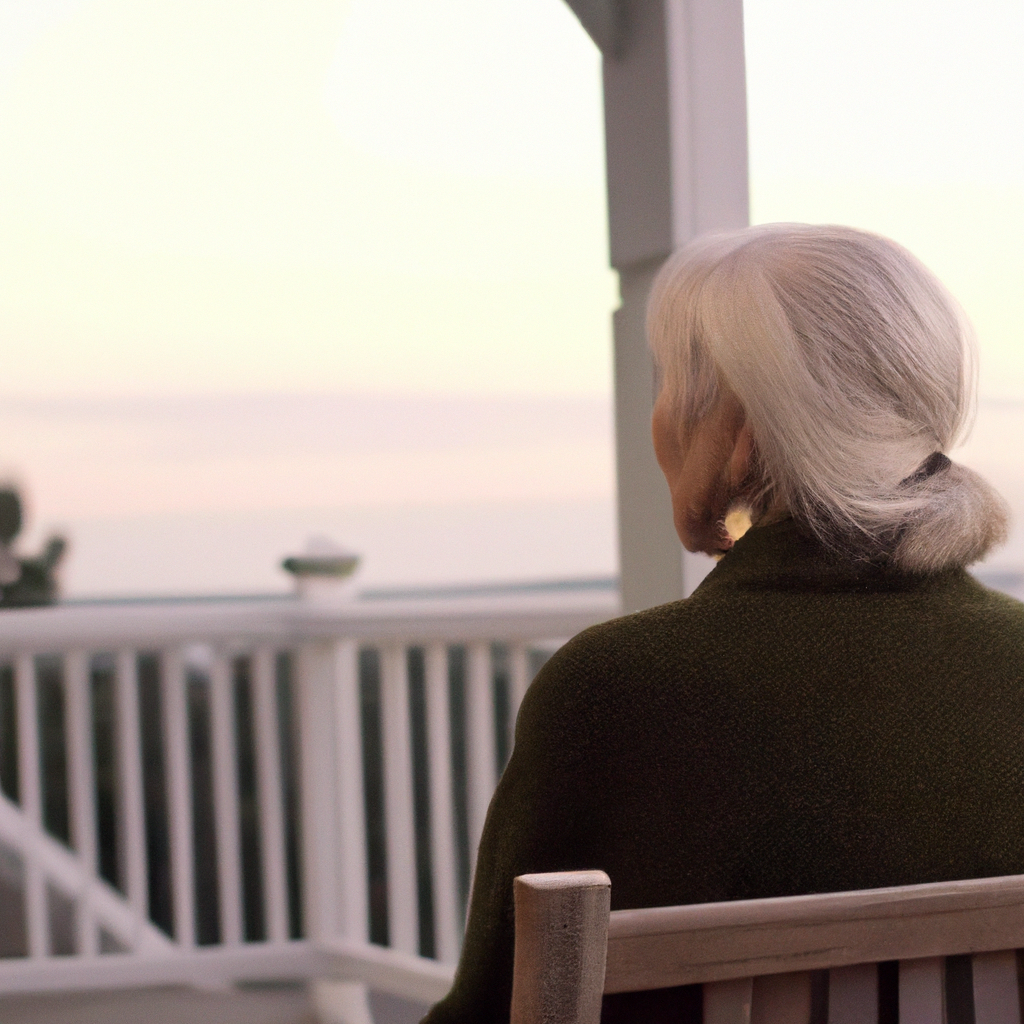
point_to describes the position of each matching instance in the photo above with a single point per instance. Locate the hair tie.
(935, 463)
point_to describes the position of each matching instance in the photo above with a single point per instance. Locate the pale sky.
(408, 194)
(904, 117)
(405, 198)
(303, 194)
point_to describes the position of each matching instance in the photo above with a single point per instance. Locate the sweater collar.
(786, 556)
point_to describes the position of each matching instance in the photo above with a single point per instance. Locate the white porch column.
(676, 146)
(334, 883)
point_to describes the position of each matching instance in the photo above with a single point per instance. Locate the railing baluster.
(225, 799)
(353, 909)
(82, 783)
(174, 683)
(268, 786)
(446, 900)
(401, 835)
(131, 815)
(317, 772)
(36, 915)
(519, 670)
(481, 753)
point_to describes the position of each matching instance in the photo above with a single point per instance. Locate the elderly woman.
(839, 705)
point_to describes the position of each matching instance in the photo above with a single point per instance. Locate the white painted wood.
(481, 755)
(853, 994)
(59, 866)
(604, 21)
(922, 991)
(708, 117)
(269, 792)
(315, 706)
(286, 621)
(350, 914)
(82, 786)
(340, 1002)
(403, 919)
(714, 941)
(676, 141)
(174, 708)
(131, 824)
(225, 798)
(676, 128)
(442, 825)
(30, 799)
(353, 898)
(519, 679)
(174, 1004)
(996, 991)
(782, 999)
(30, 794)
(384, 970)
(728, 1002)
(650, 554)
(332, 785)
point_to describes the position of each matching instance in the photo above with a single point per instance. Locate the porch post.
(676, 150)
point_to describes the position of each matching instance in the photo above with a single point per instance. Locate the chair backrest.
(758, 960)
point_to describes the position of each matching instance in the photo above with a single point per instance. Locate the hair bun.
(961, 517)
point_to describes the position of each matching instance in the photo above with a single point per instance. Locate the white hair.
(853, 365)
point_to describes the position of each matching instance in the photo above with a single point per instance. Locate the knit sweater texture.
(800, 724)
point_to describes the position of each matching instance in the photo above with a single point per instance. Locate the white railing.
(224, 790)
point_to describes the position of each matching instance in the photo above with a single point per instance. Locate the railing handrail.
(523, 615)
(63, 868)
(386, 970)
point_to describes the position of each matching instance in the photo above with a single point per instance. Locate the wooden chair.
(765, 961)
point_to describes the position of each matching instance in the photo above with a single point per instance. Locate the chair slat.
(853, 994)
(996, 991)
(922, 994)
(781, 999)
(663, 946)
(728, 1002)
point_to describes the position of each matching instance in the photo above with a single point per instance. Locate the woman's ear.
(741, 459)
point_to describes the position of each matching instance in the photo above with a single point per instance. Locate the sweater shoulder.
(991, 614)
(625, 643)
(615, 660)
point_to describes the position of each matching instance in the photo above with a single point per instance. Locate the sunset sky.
(404, 200)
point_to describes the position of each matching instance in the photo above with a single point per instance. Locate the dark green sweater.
(800, 724)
